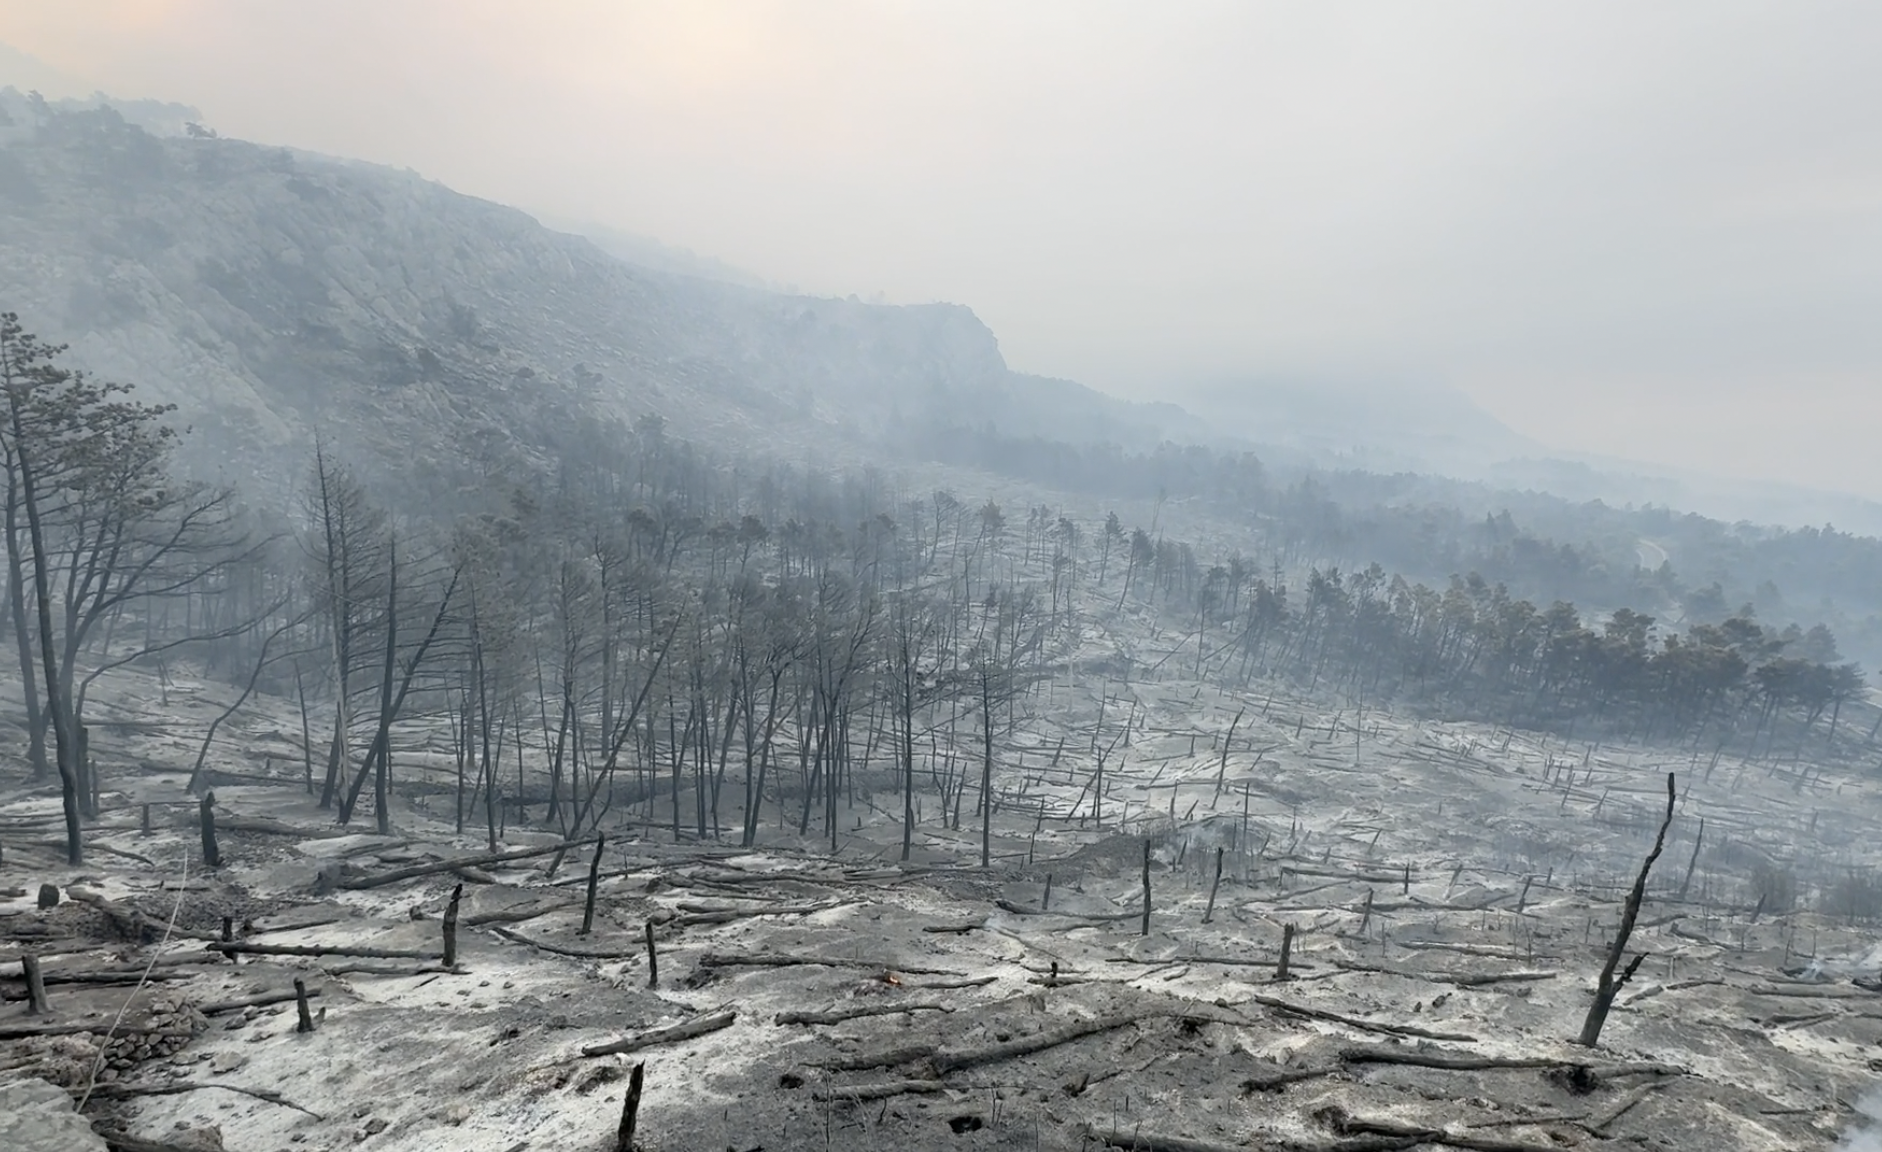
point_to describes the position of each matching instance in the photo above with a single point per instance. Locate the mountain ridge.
(275, 294)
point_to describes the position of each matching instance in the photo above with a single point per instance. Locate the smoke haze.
(1645, 232)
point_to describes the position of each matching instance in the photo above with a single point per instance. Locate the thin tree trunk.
(42, 598)
(1608, 986)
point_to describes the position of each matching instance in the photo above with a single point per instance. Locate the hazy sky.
(1646, 229)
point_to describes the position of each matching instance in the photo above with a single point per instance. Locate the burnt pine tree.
(65, 438)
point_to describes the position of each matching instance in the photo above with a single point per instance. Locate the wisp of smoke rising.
(1866, 1136)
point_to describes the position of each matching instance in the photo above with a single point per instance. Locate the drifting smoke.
(1867, 1135)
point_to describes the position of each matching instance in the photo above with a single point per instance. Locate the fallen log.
(940, 985)
(381, 879)
(754, 960)
(1349, 1125)
(92, 846)
(1812, 991)
(1096, 918)
(1600, 1124)
(269, 827)
(384, 970)
(863, 1092)
(116, 1141)
(892, 1058)
(945, 1061)
(1279, 1005)
(272, 929)
(516, 915)
(121, 1090)
(243, 947)
(1485, 952)
(1460, 979)
(1140, 1141)
(729, 915)
(559, 950)
(110, 976)
(218, 1007)
(1281, 1077)
(95, 1024)
(839, 1015)
(1473, 1062)
(1447, 1061)
(671, 1034)
(1293, 964)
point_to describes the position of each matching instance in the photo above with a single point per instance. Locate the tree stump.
(206, 811)
(630, 1109)
(450, 926)
(1208, 913)
(300, 1002)
(594, 881)
(36, 1004)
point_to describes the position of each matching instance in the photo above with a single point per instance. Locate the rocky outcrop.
(37, 1117)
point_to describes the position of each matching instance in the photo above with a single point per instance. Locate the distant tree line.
(645, 629)
(1539, 546)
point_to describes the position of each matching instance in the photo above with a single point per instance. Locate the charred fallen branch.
(954, 1060)
(755, 960)
(121, 1091)
(839, 1015)
(861, 1093)
(944, 1061)
(1460, 979)
(1290, 1009)
(1140, 1141)
(560, 950)
(515, 915)
(1473, 1062)
(731, 915)
(381, 879)
(219, 1007)
(244, 948)
(672, 1034)
(1349, 1125)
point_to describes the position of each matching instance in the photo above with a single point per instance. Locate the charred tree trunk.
(1609, 985)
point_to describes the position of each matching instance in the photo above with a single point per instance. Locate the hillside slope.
(272, 295)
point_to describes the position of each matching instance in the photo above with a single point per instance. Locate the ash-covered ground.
(1452, 890)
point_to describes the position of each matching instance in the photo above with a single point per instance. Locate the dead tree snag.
(450, 927)
(1209, 912)
(212, 856)
(1609, 985)
(630, 1108)
(594, 880)
(1146, 927)
(300, 1003)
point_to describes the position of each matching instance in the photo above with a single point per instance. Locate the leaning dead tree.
(1609, 985)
